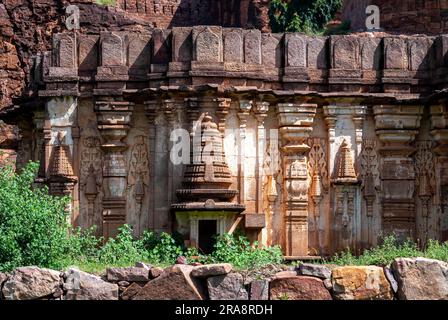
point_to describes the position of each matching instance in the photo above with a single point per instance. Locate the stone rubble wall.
(404, 279)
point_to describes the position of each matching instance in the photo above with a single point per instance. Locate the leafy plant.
(308, 16)
(106, 2)
(238, 251)
(391, 249)
(33, 226)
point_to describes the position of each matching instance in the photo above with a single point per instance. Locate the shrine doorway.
(208, 230)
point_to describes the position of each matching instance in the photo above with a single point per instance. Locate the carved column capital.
(397, 126)
(295, 122)
(439, 128)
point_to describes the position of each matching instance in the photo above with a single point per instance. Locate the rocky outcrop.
(227, 287)
(360, 283)
(421, 279)
(298, 288)
(174, 284)
(30, 283)
(80, 285)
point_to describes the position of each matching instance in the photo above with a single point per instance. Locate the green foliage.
(308, 16)
(238, 251)
(161, 248)
(110, 3)
(391, 249)
(33, 226)
(34, 231)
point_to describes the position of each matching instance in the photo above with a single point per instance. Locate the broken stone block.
(83, 286)
(211, 270)
(360, 283)
(227, 287)
(129, 274)
(174, 284)
(421, 278)
(298, 288)
(390, 277)
(131, 291)
(259, 290)
(29, 283)
(155, 272)
(315, 270)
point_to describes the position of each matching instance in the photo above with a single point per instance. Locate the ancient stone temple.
(314, 143)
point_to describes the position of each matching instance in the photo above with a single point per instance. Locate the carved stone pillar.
(257, 220)
(397, 127)
(295, 122)
(113, 120)
(151, 108)
(345, 127)
(439, 130)
(243, 113)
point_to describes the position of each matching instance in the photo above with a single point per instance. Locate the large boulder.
(298, 288)
(421, 279)
(211, 270)
(28, 283)
(175, 283)
(360, 283)
(315, 270)
(80, 285)
(227, 287)
(129, 274)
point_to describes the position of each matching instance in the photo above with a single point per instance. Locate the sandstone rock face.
(421, 279)
(315, 270)
(28, 283)
(174, 284)
(83, 286)
(227, 287)
(259, 290)
(211, 270)
(360, 283)
(130, 274)
(298, 288)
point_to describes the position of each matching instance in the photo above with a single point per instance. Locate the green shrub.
(161, 248)
(391, 249)
(34, 231)
(308, 16)
(238, 251)
(110, 3)
(33, 226)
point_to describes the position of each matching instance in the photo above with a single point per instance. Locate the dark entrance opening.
(207, 233)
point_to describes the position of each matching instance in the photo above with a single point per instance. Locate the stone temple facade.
(317, 144)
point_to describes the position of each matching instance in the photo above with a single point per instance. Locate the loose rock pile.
(405, 279)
